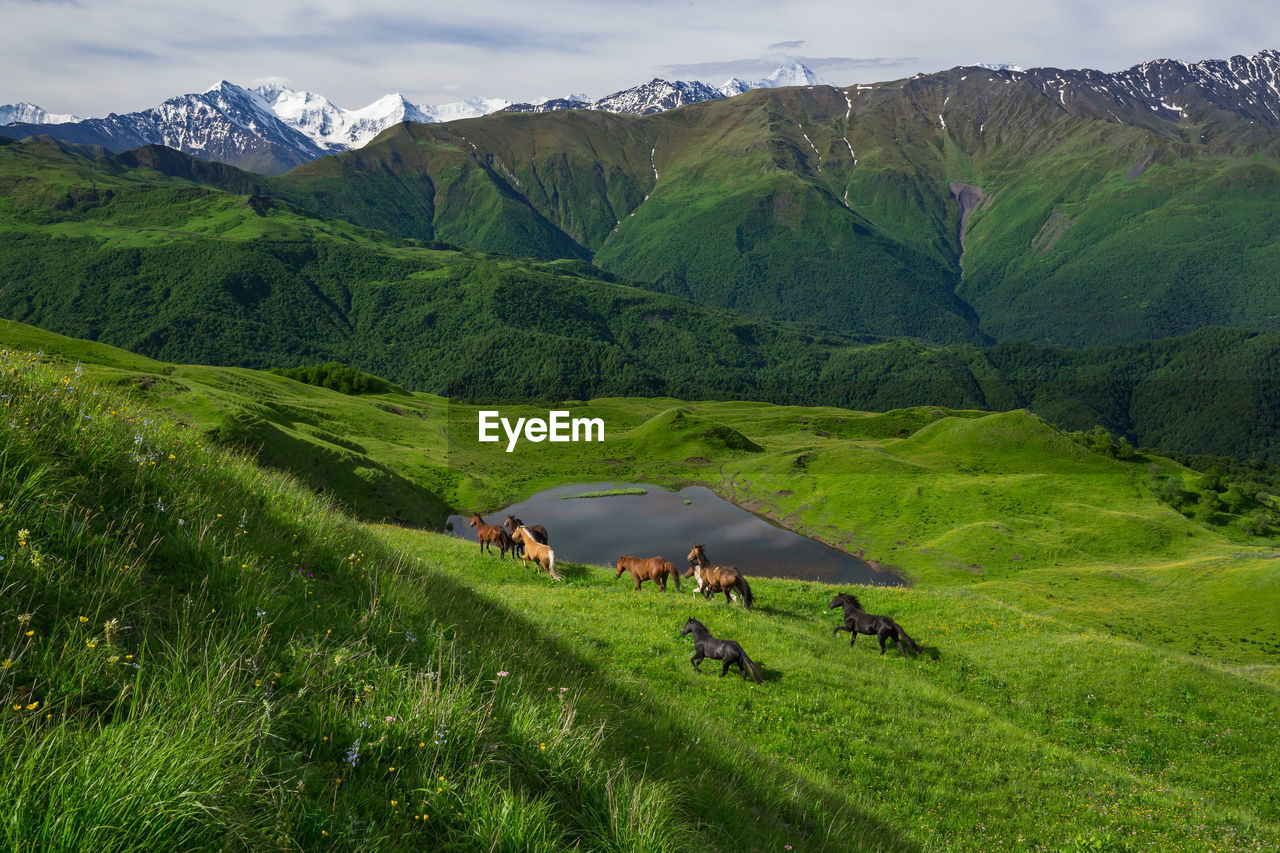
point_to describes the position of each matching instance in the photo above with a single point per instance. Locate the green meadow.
(209, 641)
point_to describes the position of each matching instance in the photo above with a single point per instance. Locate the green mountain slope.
(118, 249)
(842, 206)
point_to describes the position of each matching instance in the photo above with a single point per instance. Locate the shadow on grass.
(573, 571)
(777, 611)
(932, 652)
(769, 675)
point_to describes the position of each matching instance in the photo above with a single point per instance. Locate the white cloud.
(91, 56)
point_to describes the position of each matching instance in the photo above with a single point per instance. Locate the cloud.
(93, 56)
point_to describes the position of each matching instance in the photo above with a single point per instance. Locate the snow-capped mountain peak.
(336, 129)
(791, 73)
(25, 113)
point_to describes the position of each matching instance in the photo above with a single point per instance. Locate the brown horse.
(539, 532)
(539, 553)
(653, 569)
(490, 534)
(713, 578)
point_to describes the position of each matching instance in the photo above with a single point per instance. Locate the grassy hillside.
(201, 653)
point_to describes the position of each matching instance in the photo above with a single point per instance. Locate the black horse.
(858, 621)
(537, 530)
(707, 646)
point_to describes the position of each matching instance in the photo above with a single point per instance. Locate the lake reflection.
(599, 530)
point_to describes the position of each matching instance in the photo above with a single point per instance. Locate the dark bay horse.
(713, 578)
(539, 532)
(653, 569)
(490, 534)
(707, 646)
(858, 621)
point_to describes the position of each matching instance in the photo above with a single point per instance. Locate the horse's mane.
(695, 627)
(846, 598)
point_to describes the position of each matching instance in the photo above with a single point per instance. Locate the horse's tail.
(744, 589)
(752, 669)
(551, 565)
(675, 576)
(910, 642)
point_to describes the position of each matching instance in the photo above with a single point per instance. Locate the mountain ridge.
(271, 128)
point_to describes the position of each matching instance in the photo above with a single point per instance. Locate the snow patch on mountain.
(656, 96)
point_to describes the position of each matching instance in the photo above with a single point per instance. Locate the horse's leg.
(839, 628)
(725, 667)
(882, 634)
(696, 659)
(853, 635)
(901, 646)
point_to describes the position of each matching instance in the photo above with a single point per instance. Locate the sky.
(90, 57)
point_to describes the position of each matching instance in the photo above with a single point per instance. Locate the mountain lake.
(598, 530)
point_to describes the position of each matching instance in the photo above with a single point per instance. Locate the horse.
(539, 553)
(713, 578)
(858, 621)
(491, 533)
(653, 569)
(539, 532)
(707, 646)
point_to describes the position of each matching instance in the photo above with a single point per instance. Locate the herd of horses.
(530, 543)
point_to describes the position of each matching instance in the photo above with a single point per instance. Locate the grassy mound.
(679, 434)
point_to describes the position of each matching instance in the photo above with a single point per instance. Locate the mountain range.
(270, 128)
(1049, 215)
